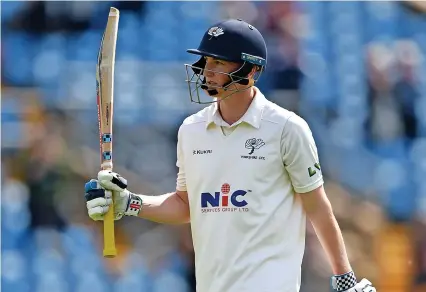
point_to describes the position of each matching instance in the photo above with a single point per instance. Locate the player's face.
(212, 69)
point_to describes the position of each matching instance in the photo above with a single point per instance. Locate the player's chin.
(219, 96)
(212, 92)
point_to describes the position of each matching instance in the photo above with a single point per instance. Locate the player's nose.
(208, 73)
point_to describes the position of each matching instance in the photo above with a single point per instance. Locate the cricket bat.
(105, 101)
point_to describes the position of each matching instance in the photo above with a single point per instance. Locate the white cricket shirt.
(248, 228)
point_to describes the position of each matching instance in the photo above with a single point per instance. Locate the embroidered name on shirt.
(200, 152)
(253, 157)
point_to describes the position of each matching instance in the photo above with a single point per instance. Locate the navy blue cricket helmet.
(231, 40)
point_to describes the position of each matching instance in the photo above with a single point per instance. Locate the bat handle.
(110, 250)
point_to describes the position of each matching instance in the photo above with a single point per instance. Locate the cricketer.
(249, 176)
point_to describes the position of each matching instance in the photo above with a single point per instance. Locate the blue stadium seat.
(14, 227)
(14, 272)
(168, 279)
(51, 281)
(77, 240)
(136, 276)
(390, 174)
(130, 40)
(84, 46)
(92, 282)
(167, 28)
(49, 58)
(133, 282)
(19, 49)
(78, 85)
(177, 264)
(14, 208)
(135, 261)
(9, 9)
(49, 260)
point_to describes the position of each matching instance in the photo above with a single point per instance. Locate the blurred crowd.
(354, 70)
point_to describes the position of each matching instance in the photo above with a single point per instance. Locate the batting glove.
(348, 283)
(110, 185)
(363, 286)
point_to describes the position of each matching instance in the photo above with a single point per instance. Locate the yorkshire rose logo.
(254, 143)
(215, 31)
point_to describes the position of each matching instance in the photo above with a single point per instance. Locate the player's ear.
(253, 71)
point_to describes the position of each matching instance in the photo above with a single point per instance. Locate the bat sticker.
(107, 138)
(107, 155)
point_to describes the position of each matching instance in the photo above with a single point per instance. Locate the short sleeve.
(181, 178)
(300, 155)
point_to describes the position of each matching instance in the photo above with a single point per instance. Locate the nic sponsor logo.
(224, 201)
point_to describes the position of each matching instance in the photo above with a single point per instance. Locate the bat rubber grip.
(110, 250)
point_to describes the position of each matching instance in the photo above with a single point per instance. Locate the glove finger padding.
(98, 213)
(94, 194)
(112, 181)
(98, 200)
(98, 207)
(93, 189)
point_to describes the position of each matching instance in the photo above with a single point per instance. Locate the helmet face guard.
(196, 80)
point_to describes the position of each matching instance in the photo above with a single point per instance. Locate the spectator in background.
(408, 57)
(280, 22)
(391, 96)
(43, 172)
(283, 27)
(385, 122)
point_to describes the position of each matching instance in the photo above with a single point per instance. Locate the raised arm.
(171, 208)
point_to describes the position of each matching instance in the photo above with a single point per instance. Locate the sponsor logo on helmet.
(253, 59)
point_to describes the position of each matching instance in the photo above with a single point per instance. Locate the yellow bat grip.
(110, 250)
(109, 238)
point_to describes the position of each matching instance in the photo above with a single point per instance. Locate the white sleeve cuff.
(305, 189)
(181, 188)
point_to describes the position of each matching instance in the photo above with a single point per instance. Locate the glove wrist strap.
(343, 282)
(134, 205)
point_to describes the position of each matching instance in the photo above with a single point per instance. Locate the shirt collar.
(252, 116)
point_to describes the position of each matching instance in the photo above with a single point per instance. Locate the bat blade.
(105, 102)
